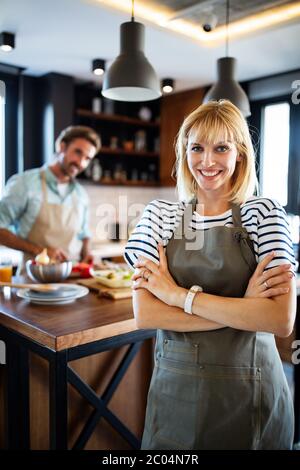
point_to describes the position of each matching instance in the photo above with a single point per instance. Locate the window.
(2, 159)
(274, 161)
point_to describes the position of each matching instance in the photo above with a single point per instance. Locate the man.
(46, 208)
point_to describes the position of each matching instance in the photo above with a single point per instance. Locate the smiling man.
(46, 207)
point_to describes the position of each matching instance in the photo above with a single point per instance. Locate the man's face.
(75, 157)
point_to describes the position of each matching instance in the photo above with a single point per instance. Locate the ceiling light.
(98, 66)
(131, 77)
(7, 41)
(167, 85)
(226, 86)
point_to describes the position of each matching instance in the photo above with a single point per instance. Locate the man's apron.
(221, 389)
(56, 226)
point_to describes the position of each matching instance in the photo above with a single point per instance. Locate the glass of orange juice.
(6, 269)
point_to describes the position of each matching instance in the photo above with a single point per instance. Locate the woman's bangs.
(210, 130)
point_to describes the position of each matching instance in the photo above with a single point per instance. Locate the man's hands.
(57, 254)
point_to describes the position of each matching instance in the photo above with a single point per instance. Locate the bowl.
(50, 272)
(121, 278)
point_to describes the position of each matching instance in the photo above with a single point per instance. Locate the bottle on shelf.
(134, 175)
(114, 142)
(96, 105)
(140, 140)
(96, 171)
(117, 175)
(152, 172)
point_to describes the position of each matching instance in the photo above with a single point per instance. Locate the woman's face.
(212, 165)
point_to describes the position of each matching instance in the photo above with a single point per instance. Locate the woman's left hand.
(156, 278)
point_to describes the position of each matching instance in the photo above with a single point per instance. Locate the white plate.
(46, 299)
(65, 291)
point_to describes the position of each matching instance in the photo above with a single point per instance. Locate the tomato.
(84, 269)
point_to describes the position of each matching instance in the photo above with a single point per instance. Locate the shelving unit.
(130, 152)
(109, 151)
(118, 118)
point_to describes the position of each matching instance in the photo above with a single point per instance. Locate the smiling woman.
(217, 295)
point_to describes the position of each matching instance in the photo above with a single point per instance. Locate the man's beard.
(64, 169)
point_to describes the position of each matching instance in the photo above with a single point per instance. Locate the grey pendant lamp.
(227, 86)
(131, 77)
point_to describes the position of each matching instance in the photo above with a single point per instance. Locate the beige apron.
(56, 226)
(221, 389)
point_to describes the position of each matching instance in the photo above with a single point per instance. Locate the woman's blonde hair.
(210, 122)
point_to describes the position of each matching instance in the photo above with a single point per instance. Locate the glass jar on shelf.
(106, 177)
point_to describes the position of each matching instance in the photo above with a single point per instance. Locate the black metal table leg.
(58, 401)
(17, 396)
(107, 395)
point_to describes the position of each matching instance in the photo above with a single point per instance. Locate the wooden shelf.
(108, 150)
(116, 118)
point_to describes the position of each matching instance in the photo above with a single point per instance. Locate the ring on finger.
(266, 285)
(146, 274)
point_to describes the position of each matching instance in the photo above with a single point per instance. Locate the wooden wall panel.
(174, 109)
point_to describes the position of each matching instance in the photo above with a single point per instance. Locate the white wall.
(103, 197)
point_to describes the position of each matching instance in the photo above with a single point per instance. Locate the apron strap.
(44, 186)
(179, 232)
(236, 215)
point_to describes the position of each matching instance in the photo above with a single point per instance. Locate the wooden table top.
(63, 326)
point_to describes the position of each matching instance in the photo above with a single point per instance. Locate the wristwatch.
(190, 297)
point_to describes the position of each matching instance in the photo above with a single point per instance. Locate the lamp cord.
(227, 23)
(132, 10)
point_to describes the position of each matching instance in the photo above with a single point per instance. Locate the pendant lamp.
(131, 77)
(227, 86)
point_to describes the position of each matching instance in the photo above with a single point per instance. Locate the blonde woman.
(218, 293)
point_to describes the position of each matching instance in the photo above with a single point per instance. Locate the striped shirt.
(264, 219)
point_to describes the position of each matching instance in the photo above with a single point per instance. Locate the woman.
(218, 382)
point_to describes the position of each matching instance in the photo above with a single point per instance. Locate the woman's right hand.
(271, 282)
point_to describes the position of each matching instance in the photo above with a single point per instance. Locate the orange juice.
(5, 273)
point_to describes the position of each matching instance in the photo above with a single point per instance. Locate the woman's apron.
(56, 226)
(220, 389)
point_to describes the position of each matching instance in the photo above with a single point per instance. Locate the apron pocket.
(176, 407)
(230, 407)
(200, 406)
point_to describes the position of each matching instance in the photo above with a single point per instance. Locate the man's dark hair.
(78, 132)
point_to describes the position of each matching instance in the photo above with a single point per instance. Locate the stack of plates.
(65, 294)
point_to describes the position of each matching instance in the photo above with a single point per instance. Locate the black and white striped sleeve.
(145, 237)
(274, 235)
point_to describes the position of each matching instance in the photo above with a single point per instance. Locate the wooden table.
(87, 327)
(61, 334)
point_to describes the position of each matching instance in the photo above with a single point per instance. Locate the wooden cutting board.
(104, 291)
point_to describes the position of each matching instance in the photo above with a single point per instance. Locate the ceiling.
(64, 36)
(194, 10)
